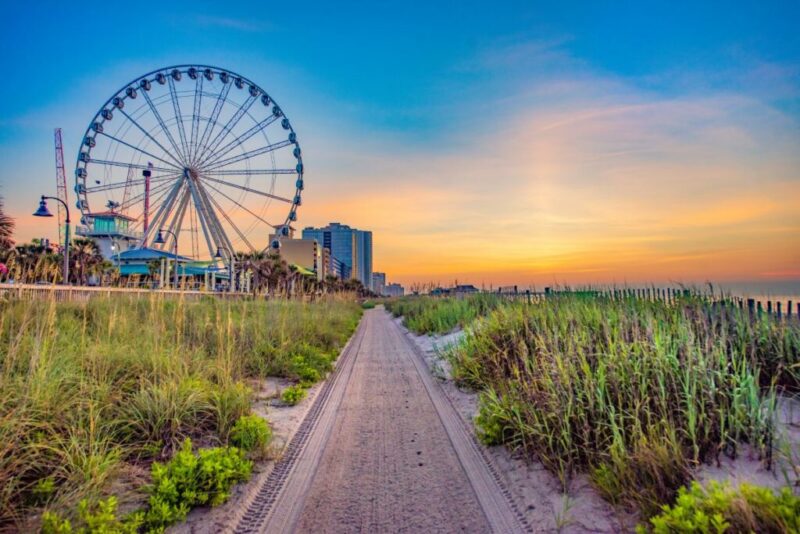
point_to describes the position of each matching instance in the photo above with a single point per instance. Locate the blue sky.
(387, 93)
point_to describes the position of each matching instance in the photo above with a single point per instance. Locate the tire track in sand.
(388, 453)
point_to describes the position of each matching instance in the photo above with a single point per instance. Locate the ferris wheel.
(202, 153)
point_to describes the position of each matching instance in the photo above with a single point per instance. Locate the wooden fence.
(780, 309)
(83, 293)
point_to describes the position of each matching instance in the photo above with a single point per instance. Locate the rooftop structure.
(110, 230)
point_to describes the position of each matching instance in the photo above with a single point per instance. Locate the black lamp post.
(159, 240)
(44, 212)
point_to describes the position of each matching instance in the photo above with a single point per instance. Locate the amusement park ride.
(190, 150)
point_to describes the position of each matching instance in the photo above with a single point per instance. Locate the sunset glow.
(524, 157)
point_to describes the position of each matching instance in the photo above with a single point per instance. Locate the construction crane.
(61, 186)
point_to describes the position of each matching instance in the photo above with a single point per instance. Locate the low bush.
(722, 508)
(98, 519)
(187, 480)
(190, 480)
(293, 394)
(250, 433)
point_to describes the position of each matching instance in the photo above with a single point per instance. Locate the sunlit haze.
(488, 144)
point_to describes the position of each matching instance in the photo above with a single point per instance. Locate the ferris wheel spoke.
(176, 222)
(212, 120)
(156, 199)
(164, 209)
(213, 220)
(161, 123)
(198, 207)
(232, 122)
(161, 188)
(248, 189)
(248, 155)
(137, 149)
(153, 139)
(198, 100)
(176, 106)
(241, 139)
(243, 207)
(129, 183)
(250, 172)
(130, 165)
(235, 228)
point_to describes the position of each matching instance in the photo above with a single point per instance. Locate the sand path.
(388, 452)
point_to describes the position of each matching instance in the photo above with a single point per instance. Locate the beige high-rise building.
(303, 252)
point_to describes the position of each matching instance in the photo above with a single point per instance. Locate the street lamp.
(44, 212)
(159, 240)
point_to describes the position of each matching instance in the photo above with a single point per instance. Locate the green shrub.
(190, 480)
(489, 421)
(228, 405)
(43, 490)
(98, 519)
(293, 394)
(251, 432)
(721, 508)
(367, 305)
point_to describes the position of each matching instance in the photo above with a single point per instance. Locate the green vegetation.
(721, 508)
(91, 392)
(293, 394)
(100, 518)
(635, 393)
(430, 315)
(185, 481)
(251, 433)
(190, 480)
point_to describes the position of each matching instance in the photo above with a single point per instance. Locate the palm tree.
(85, 259)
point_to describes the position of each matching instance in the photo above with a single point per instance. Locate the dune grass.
(92, 393)
(432, 315)
(634, 393)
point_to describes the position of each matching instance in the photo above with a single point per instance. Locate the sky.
(493, 143)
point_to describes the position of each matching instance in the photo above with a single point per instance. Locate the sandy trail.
(383, 451)
(389, 465)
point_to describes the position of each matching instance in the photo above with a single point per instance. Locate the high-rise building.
(352, 247)
(364, 257)
(378, 282)
(303, 252)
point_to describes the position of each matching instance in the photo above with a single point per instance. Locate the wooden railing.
(84, 293)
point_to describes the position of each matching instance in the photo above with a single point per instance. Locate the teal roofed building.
(137, 261)
(111, 231)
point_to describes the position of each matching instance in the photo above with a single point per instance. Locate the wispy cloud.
(580, 175)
